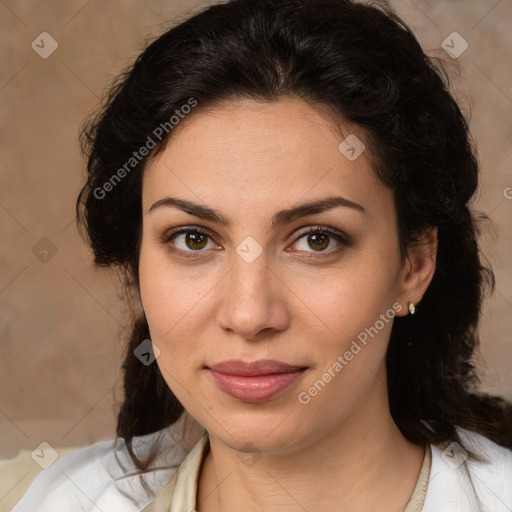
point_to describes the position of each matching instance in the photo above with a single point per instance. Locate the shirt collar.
(187, 476)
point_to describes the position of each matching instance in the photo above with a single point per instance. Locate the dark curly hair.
(364, 65)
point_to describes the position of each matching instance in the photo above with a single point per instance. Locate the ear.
(418, 270)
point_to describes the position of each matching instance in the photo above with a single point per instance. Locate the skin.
(247, 160)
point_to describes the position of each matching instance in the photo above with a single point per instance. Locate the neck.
(334, 473)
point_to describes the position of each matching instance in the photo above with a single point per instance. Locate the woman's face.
(261, 287)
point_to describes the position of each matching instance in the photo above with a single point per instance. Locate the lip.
(257, 381)
(254, 368)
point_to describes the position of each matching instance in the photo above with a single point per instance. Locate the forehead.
(264, 128)
(260, 151)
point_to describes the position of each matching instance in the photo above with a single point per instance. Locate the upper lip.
(247, 369)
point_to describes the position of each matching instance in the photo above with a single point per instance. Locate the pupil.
(196, 239)
(319, 245)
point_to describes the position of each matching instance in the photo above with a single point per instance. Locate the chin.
(260, 433)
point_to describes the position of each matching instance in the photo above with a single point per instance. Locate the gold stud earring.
(412, 307)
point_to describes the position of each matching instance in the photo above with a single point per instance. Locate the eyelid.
(342, 238)
(166, 237)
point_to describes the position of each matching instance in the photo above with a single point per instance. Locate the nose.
(253, 300)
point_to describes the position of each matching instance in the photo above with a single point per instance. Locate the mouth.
(254, 368)
(255, 382)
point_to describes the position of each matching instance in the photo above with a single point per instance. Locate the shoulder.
(460, 482)
(103, 477)
(497, 457)
(493, 473)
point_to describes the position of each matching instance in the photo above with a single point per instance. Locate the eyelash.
(343, 239)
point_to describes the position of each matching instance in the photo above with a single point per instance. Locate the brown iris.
(195, 240)
(318, 243)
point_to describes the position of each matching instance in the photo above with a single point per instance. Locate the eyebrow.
(280, 218)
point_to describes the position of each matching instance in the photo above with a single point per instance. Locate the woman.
(285, 186)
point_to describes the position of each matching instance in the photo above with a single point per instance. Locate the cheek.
(153, 291)
(356, 319)
(357, 314)
(353, 297)
(168, 306)
(177, 303)
(168, 294)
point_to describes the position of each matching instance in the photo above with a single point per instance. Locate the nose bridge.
(250, 279)
(249, 266)
(249, 303)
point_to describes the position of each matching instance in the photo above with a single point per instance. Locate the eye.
(320, 238)
(188, 239)
(195, 239)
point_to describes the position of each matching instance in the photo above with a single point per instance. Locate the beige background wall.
(60, 320)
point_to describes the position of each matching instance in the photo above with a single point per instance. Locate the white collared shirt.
(101, 477)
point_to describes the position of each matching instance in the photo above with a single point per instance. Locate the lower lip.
(257, 388)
